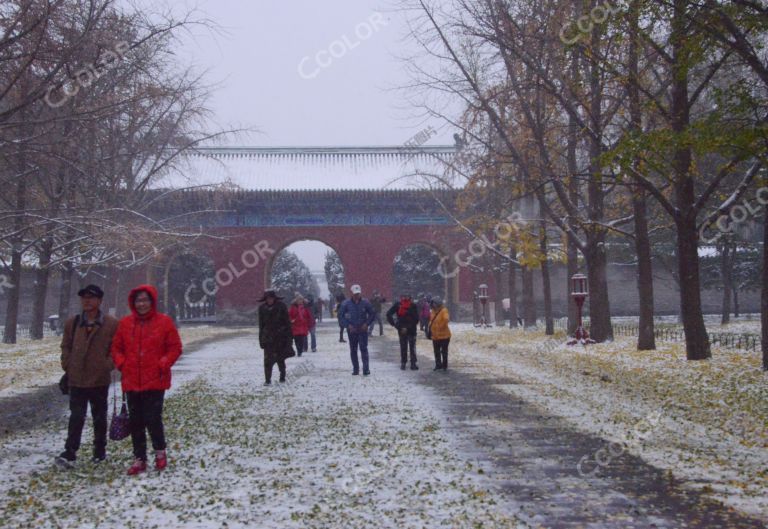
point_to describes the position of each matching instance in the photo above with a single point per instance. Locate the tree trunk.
(735, 302)
(529, 301)
(512, 287)
(764, 296)
(600, 328)
(646, 341)
(14, 291)
(696, 338)
(65, 293)
(498, 310)
(597, 260)
(573, 269)
(40, 292)
(165, 298)
(171, 310)
(572, 247)
(725, 275)
(112, 302)
(546, 286)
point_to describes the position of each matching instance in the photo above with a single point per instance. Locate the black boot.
(66, 459)
(99, 454)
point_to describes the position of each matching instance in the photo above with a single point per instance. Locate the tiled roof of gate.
(317, 168)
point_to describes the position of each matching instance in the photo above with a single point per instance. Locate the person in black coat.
(404, 316)
(275, 334)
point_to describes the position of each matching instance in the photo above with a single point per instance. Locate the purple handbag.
(119, 428)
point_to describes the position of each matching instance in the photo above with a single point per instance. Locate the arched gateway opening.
(310, 267)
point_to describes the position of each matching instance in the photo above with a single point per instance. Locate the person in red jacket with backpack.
(144, 348)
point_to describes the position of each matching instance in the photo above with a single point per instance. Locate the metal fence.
(24, 332)
(728, 340)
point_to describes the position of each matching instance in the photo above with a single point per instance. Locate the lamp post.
(579, 294)
(483, 297)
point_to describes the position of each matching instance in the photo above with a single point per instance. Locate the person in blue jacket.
(356, 315)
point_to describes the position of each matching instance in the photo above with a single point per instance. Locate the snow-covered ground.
(744, 324)
(324, 450)
(30, 364)
(330, 450)
(710, 418)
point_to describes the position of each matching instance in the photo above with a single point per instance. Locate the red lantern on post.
(579, 294)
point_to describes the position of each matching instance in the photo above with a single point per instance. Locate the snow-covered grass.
(324, 450)
(713, 427)
(736, 327)
(746, 324)
(33, 363)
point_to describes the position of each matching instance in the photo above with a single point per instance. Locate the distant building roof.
(320, 168)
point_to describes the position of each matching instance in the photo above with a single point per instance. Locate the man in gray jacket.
(86, 360)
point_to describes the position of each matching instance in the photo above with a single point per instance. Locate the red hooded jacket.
(300, 317)
(145, 347)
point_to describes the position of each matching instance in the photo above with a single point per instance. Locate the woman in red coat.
(300, 317)
(144, 348)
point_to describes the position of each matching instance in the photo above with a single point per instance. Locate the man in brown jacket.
(85, 358)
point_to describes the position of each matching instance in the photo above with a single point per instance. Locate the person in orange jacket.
(440, 333)
(144, 348)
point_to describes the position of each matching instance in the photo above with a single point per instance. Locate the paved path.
(529, 457)
(533, 459)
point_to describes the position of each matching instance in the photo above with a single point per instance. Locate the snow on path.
(326, 449)
(706, 429)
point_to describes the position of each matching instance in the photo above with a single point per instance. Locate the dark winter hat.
(269, 293)
(91, 290)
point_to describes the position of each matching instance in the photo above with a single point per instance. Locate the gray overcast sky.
(347, 102)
